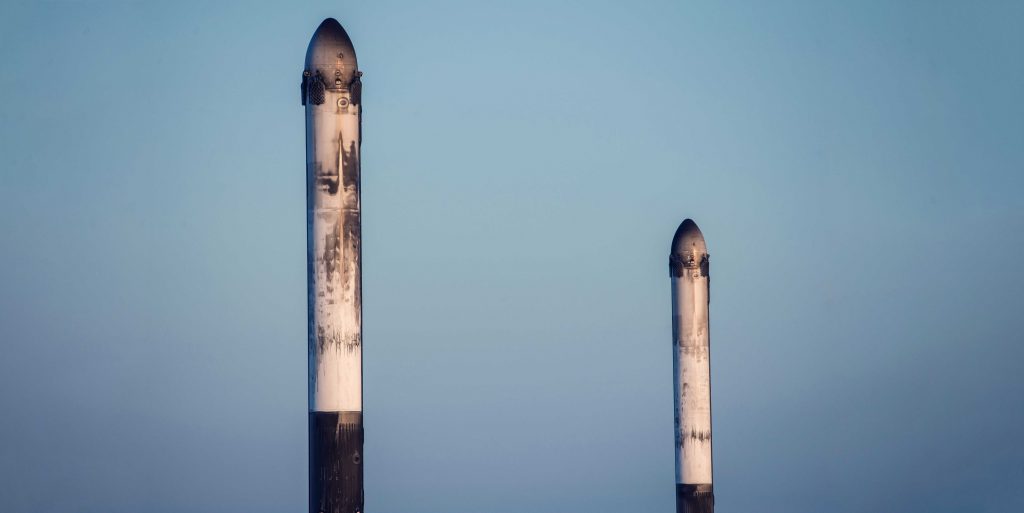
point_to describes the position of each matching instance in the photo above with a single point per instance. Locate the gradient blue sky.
(856, 167)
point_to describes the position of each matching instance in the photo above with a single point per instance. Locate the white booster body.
(331, 94)
(689, 269)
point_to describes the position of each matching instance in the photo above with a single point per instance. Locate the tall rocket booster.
(331, 94)
(691, 287)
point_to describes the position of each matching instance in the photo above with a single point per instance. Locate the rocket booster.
(331, 90)
(689, 271)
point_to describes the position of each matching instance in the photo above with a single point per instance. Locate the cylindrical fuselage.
(331, 93)
(689, 270)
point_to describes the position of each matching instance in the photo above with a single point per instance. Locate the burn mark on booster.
(332, 254)
(699, 436)
(350, 278)
(349, 166)
(321, 339)
(327, 180)
(695, 498)
(335, 462)
(350, 342)
(352, 222)
(348, 159)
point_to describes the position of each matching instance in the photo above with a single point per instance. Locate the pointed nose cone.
(331, 52)
(688, 239)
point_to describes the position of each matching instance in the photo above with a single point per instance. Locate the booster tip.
(330, 48)
(688, 239)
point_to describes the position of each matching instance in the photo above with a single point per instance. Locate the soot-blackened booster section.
(699, 498)
(336, 462)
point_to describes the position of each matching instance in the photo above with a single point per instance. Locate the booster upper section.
(330, 65)
(688, 250)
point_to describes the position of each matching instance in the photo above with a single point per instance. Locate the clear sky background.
(856, 167)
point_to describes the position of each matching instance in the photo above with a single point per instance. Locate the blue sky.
(856, 169)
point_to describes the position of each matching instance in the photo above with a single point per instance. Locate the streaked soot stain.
(327, 180)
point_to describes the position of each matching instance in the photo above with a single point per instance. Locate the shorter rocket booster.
(691, 295)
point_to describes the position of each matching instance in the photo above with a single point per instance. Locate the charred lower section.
(335, 462)
(695, 498)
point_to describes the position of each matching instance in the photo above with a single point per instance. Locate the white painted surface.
(335, 355)
(692, 381)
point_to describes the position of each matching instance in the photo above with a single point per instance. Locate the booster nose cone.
(688, 239)
(331, 54)
(688, 250)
